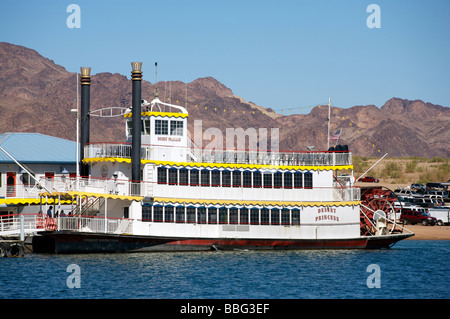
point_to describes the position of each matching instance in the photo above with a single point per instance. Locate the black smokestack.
(136, 77)
(85, 82)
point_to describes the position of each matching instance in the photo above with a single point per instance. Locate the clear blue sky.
(278, 54)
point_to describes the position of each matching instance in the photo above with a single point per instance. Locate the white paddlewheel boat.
(192, 198)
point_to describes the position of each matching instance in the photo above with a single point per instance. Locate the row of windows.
(213, 215)
(161, 127)
(226, 178)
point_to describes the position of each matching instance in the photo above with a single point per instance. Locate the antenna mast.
(156, 80)
(329, 120)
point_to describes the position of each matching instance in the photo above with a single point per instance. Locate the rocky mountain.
(36, 95)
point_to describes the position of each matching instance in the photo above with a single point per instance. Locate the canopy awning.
(74, 194)
(187, 202)
(30, 201)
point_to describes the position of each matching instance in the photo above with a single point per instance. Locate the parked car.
(442, 194)
(442, 215)
(424, 202)
(413, 217)
(418, 187)
(406, 193)
(369, 179)
(435, 185)
(403, 202)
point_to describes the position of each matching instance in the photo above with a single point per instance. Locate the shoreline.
(429, 232)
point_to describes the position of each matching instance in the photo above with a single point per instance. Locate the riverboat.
(159, 191)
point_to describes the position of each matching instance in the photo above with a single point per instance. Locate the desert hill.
(36, 95)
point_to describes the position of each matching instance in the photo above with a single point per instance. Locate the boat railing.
(94, 185)
(214, 155)
(23, 191)
(94, 224)
(14, 224)
(130, 188)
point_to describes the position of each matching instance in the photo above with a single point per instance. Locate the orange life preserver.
(50, 223)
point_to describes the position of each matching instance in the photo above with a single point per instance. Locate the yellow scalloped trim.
(90, 194)
(168, 200)
(221, 165)
(29, 201)
(163, 114)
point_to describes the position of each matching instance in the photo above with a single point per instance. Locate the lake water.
(411, 269)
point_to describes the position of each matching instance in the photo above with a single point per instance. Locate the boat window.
(201, 215)
(161, 127)
(157, 213)
(254, 216)
(265, 216)
(176, 128)
(285, 214)
(146, 127)
(275, 216)
(223, 215)
(234, 216)
(237, 178)
(267, 180)
(215, 178)
(243, 216)
(179, 212)
(168, 214)
(184, 177)
(308, 180)
(257, 179)
(298, 180)
(295, 217)
(194, 174)
(129, 128)
(212, 215)
(162, 175)
(287, 179)
(25, 179)
(278, 180)
(226, 178)
(190, 215)
(146, 213)
(205, 177)
(173, 176)
(247, 179)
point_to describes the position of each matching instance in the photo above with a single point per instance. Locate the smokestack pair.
(85, 82)
(136, 77)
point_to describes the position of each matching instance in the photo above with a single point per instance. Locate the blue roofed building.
(43, 159)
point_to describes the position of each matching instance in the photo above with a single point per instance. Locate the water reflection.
(235, 274)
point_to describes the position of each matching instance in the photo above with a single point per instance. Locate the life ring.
(50, 224)
(40, 221)
(15, 250)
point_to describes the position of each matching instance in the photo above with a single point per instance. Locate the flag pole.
(329, 119)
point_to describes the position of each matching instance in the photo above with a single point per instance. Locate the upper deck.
(165, 139)
(122, 152)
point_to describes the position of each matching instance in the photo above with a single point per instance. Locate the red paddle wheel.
(378, 202)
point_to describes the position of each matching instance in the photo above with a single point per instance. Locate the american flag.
(335, 136)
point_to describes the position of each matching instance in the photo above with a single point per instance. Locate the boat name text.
(323, 216)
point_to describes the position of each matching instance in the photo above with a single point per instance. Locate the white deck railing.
(128, 188)
(150, 152)
(12, 225)
(95, 224)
